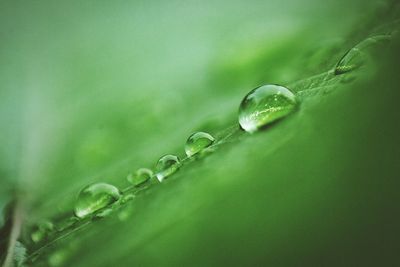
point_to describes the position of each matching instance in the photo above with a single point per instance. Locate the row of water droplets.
(261, 107)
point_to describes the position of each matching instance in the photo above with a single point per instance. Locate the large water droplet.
(95, 197)
(140, 177)
(197, 142)
(360, 54)
(264, 105)
(41, 231)
(166, 166)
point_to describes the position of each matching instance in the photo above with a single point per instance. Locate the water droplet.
(126, 198)
(103, 213)
(166, 166)
(352, 60)
(264, 105)
(359, 54)
(141, 176)
(197, 142)
(41, 231)
(95, 197)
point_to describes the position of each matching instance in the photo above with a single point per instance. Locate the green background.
(93, 90)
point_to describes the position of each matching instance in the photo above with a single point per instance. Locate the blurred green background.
(93, 90)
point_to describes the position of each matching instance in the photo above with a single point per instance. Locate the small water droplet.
(197, 142)
(140, 177)
(103, 213)
(359, 54)
(264, 105)
(166, 166)
(95, 197)
(41, 231)
(126, 198)
(353, 59)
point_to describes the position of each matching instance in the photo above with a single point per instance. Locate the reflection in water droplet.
(359, 54)
(41, 231)
(141, 176)
(197, 142)
(265, 105)
(95, 197)
(166, 166)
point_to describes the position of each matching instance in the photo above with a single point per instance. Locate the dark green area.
(92, 91)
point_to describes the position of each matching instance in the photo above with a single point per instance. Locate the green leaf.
(96, 92)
